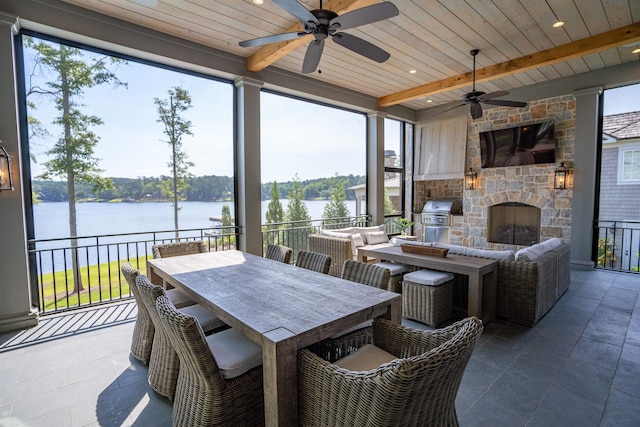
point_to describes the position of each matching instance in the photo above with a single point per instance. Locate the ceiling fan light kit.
(322, 23)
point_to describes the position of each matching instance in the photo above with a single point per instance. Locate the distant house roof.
(388, 183)
(622, 126)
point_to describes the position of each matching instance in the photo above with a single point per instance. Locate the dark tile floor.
(580, 366)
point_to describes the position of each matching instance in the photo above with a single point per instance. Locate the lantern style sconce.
(6, 177)
(562, 177)
(471, 180)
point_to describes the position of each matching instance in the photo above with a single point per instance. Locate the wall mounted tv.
(522, 145)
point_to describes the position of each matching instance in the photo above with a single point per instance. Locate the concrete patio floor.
(579, 366)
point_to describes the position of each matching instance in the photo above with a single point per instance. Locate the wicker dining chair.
(359, 335)
(367, 274)
(164, 364)
(279, 253)
(314, 261)
(143, 329)
(167, 250)
(413, 381)
(204, 396)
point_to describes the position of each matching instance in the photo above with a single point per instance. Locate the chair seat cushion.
(395, 269)
(367, 358)
(428, 277)
(178, 298)
(234, 353)
(208, 321)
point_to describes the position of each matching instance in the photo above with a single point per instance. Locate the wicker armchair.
(314, 261)
(164, 364)
(337, 248)
(143, 330)
(279, 253)
(203, 396)
(367, 274)
(418, 388)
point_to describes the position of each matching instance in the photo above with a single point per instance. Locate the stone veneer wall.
(531, 184)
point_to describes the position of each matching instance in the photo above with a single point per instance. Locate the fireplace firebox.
(514, 224)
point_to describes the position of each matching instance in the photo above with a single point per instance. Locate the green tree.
(298, 215)
(336, 211)
(275, 213)
(175, 128)
(72, 156)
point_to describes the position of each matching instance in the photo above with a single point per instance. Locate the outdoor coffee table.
(278, 306)
(482, 273)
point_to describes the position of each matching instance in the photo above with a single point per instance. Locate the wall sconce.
(470, 180)
(562, 177)
(6, 177)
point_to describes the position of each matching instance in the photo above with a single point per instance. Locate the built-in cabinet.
(440, 149)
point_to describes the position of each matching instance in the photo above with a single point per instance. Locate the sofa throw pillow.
(551, 244)
(331, 233)
(357, 240)
(376, 237)
(531, 253)
(483, 253)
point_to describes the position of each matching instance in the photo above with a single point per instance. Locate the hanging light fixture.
(560, 177)
(6, 177)
(470, 180)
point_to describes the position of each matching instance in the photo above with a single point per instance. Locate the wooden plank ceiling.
(518, 44)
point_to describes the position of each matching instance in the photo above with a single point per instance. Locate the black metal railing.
(85, 271)
(294, 234)
(618, 245)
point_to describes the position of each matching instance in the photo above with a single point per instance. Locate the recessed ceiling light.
(558, 24)
(429, 100)
(258, 1)
(412, 71)
(636, 50)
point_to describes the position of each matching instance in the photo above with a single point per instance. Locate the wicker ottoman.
(397, 270)
(427, 296)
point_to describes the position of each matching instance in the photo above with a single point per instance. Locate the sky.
(298, 138)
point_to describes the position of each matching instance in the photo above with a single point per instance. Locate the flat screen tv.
(522, 145)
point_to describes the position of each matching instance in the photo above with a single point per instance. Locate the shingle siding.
(617, 202)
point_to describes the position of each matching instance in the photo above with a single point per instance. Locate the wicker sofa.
(528, 286)
(342, 244)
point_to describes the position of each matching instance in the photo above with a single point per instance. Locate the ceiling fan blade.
(505, 103)
(496, 94)
(297, 10)
(312, 56)
(476, 110)
(365, 15)
(271, 39)
(451, 106)
(361, 46)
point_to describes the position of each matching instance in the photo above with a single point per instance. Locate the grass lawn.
(102, 282)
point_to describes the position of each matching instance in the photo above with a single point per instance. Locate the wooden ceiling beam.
(271, 53)
(598, 43)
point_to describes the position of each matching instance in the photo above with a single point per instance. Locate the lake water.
(52, 219)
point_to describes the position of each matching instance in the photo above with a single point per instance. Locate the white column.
(248, 214)
(584, 176)
(375, 166)
(15, 299)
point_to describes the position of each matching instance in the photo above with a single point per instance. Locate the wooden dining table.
(280, 307)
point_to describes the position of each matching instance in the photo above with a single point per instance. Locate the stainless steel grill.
(436, 220)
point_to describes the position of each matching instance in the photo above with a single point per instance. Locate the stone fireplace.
(514, 224)
(528, 185)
